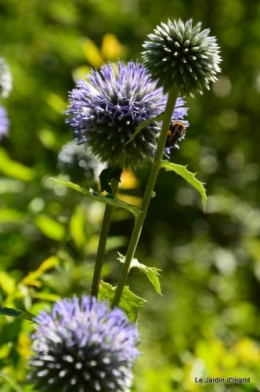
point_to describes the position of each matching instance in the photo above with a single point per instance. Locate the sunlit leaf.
(7, 283)
(48, 138)
(9, 185)
(81, 72)
(152, 273)
(111, 48)
(24, 344)
(108, 199)
(15, 169)
(50, 227)
(56, 102)
(10, 216)
(116, 241)
(188, 176)
(77, 227)
(32, 279)
(9, 380)
(92, 53)
(49, 263)
(48, 297)
(129, 302)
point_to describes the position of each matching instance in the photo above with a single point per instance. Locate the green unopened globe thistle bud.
(181, 54)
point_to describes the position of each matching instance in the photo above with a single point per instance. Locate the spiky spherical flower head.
(105, 111)
(4, 122)
(83, 346)
(181, 54)
(5, 79)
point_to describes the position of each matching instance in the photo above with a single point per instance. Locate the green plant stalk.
(172, 97)
(104, 233)
(102, 244)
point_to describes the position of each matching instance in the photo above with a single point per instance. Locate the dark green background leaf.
(16, 313)
(113, 172)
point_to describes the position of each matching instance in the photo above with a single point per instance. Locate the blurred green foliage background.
(206, 324)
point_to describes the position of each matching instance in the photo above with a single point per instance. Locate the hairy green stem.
(104, 232)
(102, 244)
(172, 97)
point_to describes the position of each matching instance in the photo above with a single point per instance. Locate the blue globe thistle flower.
(181, 54)
(105, 111)
(4, 122)
(82, 345)
(5, 79)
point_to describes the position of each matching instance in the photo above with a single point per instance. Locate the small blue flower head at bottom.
(82, 345)
(4, 122)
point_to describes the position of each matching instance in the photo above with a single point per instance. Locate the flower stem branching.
(172, 98)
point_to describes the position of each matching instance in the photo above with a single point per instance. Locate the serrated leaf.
(129, 302)
(16, 313)
(143, 125)
(188, 176)
(108, 199)
(152, 273)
